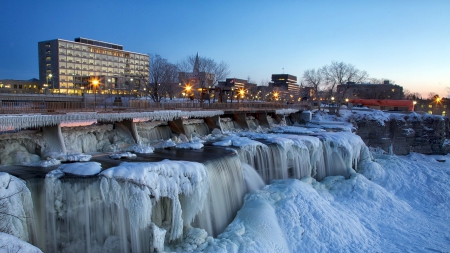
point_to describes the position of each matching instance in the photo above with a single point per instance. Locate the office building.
(86, 65)
(285, 87)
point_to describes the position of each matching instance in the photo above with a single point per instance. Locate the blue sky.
(406, 41)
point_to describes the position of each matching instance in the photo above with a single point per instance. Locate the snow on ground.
(404, 208)
(9, 243)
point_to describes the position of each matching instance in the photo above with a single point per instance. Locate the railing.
(44, 107)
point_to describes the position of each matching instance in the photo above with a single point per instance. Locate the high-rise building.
(86, 65)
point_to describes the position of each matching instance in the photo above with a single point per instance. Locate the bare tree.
(207, 70)
(412, 95)
(374, 80)
(315, 79)
(432, 95)
(220, 70)
(344, 74)
(162, 75)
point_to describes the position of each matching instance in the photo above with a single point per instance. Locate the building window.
(430, 112)
(443, 113)
(445, 106)
(47, 45)
(393, 90)
(48, 58)
(430, 106)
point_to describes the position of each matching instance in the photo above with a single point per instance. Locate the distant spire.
(196, 66)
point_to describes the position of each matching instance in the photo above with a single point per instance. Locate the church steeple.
(196, 70)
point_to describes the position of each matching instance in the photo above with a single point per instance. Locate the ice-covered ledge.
(17, 122)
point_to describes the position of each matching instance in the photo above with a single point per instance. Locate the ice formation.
(179, 205)
(138, 187)
(15, 207)
(8, 122)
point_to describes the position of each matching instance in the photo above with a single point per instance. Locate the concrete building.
(71, 67)
(386, 90)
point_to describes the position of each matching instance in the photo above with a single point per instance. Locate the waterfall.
(196, 129)
(148, 135)
(135, 207)
(342, 153)
(225, 196)
(252, 123)
(253, 180)
(228, 124)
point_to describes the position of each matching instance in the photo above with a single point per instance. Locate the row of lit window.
(77, 47)
(66, 76)
(102, 57)
(443, 113)
(97, 66)
(431, 106)
(18, 86)
(100, 62)
(71, 85)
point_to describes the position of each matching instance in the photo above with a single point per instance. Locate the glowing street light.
(276, 95)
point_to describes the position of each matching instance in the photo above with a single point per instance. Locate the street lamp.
(276, 96)
(95, 83)
(188, 90)
(48, 78)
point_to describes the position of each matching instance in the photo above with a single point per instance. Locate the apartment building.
(85, 66)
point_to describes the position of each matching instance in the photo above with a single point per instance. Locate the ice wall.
(135, 207)
(15, 207)
(11, 122)
(153, 131)
(96, 138)
(195, 127)
(343, 152)
(21, 148)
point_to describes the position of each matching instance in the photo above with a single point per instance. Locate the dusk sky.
(407, 41)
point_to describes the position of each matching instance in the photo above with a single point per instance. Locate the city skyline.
(405, 41)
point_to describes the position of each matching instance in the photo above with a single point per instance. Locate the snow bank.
(81, 169)
(405, 210)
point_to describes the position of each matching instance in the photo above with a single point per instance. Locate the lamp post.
(95, 83)
(414, 105)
